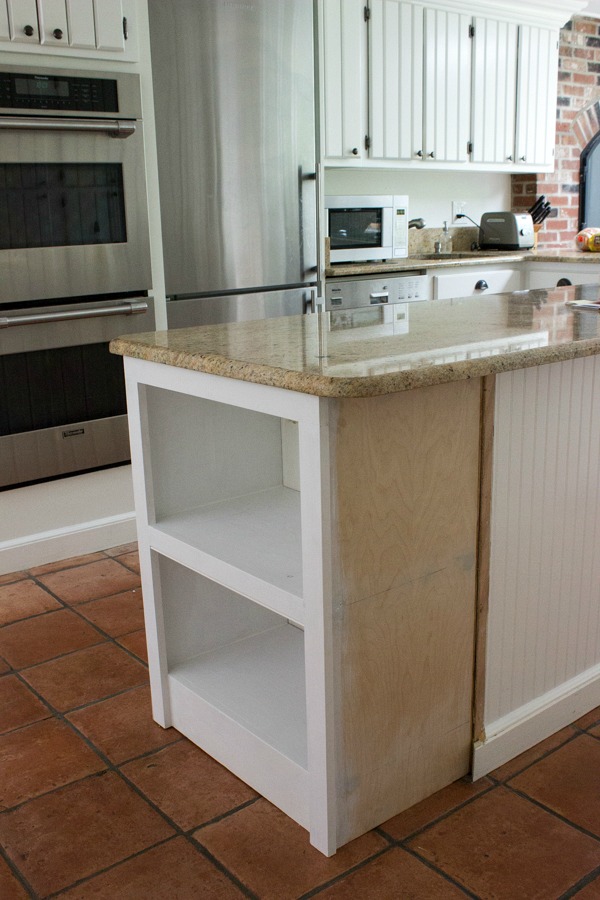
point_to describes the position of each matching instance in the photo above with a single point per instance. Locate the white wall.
(430, 193)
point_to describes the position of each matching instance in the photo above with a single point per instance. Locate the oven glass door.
(73, 213)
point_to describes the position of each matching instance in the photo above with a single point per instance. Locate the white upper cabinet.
(344, 79)
(395, 80)
(494, 91)
(446, 85)
(94, 28)
(450, 84)
(536, 96)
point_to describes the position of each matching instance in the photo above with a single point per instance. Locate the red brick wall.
(577, 121)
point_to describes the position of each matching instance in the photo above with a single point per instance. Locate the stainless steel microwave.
(366, 227)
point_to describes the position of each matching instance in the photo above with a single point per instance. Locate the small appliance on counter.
(364, 228)
(506, 231)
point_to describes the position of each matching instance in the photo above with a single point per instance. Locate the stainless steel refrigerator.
(235, 118)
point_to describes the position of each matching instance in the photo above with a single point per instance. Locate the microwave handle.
(118, 128)
(93, 312)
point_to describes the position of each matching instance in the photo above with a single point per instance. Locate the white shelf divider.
(251, 544)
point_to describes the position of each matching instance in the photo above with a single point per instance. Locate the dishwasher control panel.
(361, 292)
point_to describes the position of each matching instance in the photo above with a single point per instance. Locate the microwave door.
(73, 211)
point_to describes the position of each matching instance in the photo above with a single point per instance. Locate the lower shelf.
(257, 682)
(245, 706)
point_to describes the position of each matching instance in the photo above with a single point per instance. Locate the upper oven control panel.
(41, 92)
(32, 91)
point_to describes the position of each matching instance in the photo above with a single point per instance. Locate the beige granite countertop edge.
(323, 385)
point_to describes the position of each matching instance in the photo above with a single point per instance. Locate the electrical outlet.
(458, 206)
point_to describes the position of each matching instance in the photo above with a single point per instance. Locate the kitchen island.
(367, 544)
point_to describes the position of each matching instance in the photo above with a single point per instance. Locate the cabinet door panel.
(494, 91)
(53, 23)
(447, 88)
(22, 14)
(4, 30)
(108, 18)
(395, 79)
(344, 78)
(536, 95)
(80, 15)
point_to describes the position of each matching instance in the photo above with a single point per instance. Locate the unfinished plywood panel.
(405, 508)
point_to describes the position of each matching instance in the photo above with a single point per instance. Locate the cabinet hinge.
(471, 31)
(469, 146)
(125, 28)
(367, 142)
(367, 13)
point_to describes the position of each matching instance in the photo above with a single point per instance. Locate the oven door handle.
(128, 309)
(117, 128)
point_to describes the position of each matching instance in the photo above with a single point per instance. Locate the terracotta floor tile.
(591, 718)
(136, 643)
(188, 785)
(18, 705)
(41, 757)
(73, 832)
(501, 846)
(45, 637)
(116, 615)
(10, 887)
(23, 599)
(180, 870)
(12, 576)
(122, 548)
(503, 773)
(394, 874)
(271, 855)
(568, 781)
(122, 727)
(85, 676)
(46, 568)
(89, 582)
(131, 560)
(421, 814)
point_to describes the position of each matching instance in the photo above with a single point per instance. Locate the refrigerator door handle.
(307, 213)
(309, 302)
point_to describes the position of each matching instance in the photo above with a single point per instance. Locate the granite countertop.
(460, 259)
(382, 350)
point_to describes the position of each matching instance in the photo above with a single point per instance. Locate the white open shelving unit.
(233, 530)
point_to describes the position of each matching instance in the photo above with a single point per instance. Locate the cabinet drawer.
(465, 283)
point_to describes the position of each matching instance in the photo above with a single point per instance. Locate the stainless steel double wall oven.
(74, 266)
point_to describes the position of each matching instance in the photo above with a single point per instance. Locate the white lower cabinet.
(308, 573)
(470, 281)
(549, 276)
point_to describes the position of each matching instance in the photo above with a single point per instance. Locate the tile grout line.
(552, 812)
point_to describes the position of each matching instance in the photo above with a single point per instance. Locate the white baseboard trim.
(527, 726)
(62, 543)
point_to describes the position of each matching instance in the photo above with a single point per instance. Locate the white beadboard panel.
(544, 616)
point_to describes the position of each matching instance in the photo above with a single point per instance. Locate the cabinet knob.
(355, 151)
(481, 285)
(563, 282)
(509, 157)
(58, 34)
(419, 153)
(523, 158)
(29, 30)
(431, 155)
